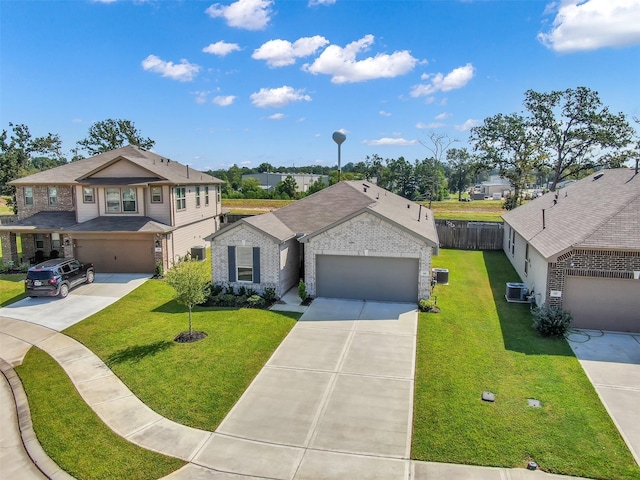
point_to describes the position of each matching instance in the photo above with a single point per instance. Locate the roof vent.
(597, 176)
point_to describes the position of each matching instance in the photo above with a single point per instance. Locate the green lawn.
(479, 342)
(11, 288)
(73, 435)
(476, 211)
(194, 384)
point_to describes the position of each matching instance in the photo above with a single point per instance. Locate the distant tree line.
(560, 135)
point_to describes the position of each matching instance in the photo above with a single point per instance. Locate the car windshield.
(39, 274)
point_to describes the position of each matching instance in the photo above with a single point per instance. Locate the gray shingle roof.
(601, 211)
(333, 205)
(160, 169)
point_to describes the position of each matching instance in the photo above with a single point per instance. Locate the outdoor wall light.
(66, 242)
(157, 243)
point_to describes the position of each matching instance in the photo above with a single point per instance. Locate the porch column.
(67, 246)
(9, 243)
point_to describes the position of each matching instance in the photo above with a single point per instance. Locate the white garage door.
(124, 255)
(367, 278)
(603, 303)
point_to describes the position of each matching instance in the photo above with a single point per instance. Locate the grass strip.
(73, 435)
(194, 384)
(479, 342)
(11, 288)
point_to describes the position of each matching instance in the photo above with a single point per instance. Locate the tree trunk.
(190, 322)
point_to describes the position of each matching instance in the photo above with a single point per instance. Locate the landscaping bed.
(479, 342)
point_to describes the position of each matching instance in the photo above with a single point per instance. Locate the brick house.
(125, 210)
(579, 249)
(350, 240)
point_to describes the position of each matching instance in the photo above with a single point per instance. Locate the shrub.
(302, 291)
(430, 306)
(159, 269)
(255, 301)
(269, 295)
(551, 321)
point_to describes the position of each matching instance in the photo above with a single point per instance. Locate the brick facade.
(66, 200)
(368, 235)
(589, 263)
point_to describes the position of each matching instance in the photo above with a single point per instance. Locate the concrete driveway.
(612, 362)
(82, 302)
(337, 393)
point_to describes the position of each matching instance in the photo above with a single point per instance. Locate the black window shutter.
(232, 262)
(256, 264)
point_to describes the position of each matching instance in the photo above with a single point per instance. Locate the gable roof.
(157, 169)
(335, 204)
(601, 211)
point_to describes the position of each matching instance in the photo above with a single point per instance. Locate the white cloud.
(183, 71)
(276, 116)
(247, 14)
(278, 97)
(593, 24)
(426, 126)
(313, 3)
(224, 100)
(385, 114)
(279, 53)
(467, 125)
(342, 65)
(221, 48)
(442, 116)
(396, 142)
(201, 96)
(457, 78)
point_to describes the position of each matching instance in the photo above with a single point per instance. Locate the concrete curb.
(31, 444)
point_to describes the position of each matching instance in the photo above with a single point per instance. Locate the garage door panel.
(603, 303)
(117, 256)
(368, 278)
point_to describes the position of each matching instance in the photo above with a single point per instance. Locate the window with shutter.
(244, 264)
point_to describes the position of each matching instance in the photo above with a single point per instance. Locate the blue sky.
(252, 81)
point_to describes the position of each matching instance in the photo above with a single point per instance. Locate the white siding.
(189, 236)
(86, 211)
(160, 212)
(123, 168)
(192, 213)
(536, 277)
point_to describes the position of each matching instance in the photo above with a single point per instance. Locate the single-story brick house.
(350, 240)
(579, 248)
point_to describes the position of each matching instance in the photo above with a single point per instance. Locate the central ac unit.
(516, 292)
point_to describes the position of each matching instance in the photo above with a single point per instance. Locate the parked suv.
(57, 276)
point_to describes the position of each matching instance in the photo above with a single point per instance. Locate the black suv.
(57, 276)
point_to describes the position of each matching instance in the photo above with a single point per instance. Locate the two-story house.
(126, 210)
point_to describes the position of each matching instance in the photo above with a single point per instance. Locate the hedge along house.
(350, 240)
(579, 249)
(126, 210)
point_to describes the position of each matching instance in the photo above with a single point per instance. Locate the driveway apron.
(82, 302)
(336, 394)
(612, 362)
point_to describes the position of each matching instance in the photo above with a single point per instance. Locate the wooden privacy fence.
(465, 235)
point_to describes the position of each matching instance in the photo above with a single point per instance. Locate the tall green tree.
(110, 134)
(189, 279)
(576, 131)
(316, 186)
(461, 166)
(288, 188)
(431, 183)
(21, 154)
(508, 143)
(402, 178)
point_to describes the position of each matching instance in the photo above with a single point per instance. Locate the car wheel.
(90, 276)
(64, 290)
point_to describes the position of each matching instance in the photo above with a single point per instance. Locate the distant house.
(579, 249)
(268, 181)
(126, 210)
(350, 240)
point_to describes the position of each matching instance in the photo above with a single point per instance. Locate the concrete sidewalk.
(333, 402)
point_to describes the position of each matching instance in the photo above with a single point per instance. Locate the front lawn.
(194, 384)
(73, 435)
(11, 288)
(478, 343)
